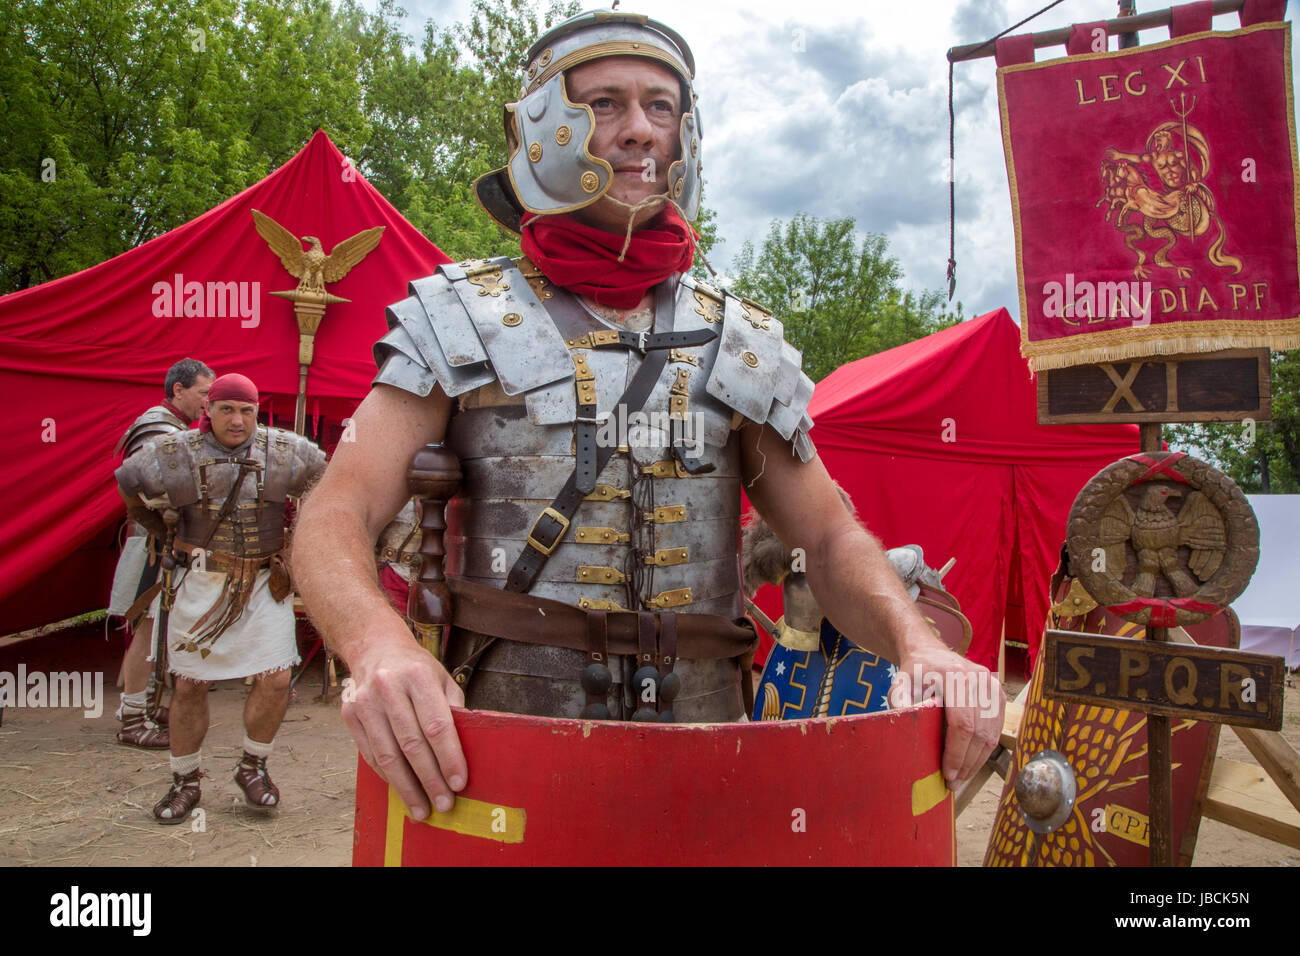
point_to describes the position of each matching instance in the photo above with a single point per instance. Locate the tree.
(1261, 457)
(839, 299)
(123, 119)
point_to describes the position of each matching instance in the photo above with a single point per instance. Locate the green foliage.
(1263, 458)
(143, 115)
(839, 300)
(155, 112)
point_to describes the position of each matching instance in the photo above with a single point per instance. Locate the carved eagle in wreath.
(311, 266)
(1156, 533)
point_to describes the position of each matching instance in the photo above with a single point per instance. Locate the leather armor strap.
(645, 639)
(667, 642)
(642, 341)
(483, 609)
(395, 556)
(597, 649)
(693, 464)
(552, 523)
(584, 430)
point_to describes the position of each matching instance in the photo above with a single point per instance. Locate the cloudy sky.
(856, 123)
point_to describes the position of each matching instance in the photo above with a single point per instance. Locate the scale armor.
(651, 536)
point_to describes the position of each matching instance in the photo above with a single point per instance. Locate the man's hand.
(973, 703)
(398, 706)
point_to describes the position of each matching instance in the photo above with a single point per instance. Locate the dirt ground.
(71, 795)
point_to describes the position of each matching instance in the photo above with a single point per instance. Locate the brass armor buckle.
(559, 519)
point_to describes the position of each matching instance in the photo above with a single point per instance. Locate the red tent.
(938, 444)
(82, 356)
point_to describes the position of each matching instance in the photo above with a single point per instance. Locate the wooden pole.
(1116, 27)
(1159, 762)
(1127, 8)
(435, 476)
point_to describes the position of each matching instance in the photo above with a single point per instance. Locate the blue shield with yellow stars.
(838, 679)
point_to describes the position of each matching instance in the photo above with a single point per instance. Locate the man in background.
(185, 389)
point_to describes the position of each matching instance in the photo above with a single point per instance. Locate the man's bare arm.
(398, 707)
(859, 591)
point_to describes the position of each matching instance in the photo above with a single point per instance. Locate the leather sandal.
(256, 783)
(181, 798)
(139, 731)
(160, 714)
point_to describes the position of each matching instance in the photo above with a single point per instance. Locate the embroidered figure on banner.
(1177, 203)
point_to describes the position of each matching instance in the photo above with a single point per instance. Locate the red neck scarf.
(585, 260)
(176, 411)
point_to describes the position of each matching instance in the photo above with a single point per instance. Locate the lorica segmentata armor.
(659, 530)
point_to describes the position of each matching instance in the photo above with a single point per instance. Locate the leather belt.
(515, 617)
(220, 560)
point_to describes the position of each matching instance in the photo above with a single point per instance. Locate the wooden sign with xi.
(1221, 387)
(1176, 680)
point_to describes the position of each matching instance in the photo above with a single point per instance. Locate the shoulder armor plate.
(757, 372)
(470, 324)
(158, 420)
(176, 465)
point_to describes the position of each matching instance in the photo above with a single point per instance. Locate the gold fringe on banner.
(1128, 343)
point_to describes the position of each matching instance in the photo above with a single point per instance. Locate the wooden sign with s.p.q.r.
(1221, 387)
(1176, 680)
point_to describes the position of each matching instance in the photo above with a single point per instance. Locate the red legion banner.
(1154, 197)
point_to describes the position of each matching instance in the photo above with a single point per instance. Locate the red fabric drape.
(1262, 11)
(82, 356)
(995, 494)
(1189, 18)
(1014, 49)
(1081, 38)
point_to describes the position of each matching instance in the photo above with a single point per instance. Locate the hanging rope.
(952, 152)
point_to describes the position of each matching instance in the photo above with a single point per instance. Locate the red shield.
(852, 790)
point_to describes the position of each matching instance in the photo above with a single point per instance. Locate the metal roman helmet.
(549, 169)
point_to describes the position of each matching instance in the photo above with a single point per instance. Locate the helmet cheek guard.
(547, 137)
(684, 183)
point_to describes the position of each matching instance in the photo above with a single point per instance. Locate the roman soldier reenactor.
(218, 493)
(143, 724)
(606, 409)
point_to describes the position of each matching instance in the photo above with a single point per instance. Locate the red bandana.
(584, 259)
(232, 385)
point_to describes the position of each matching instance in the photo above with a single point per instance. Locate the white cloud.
(857, 123)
